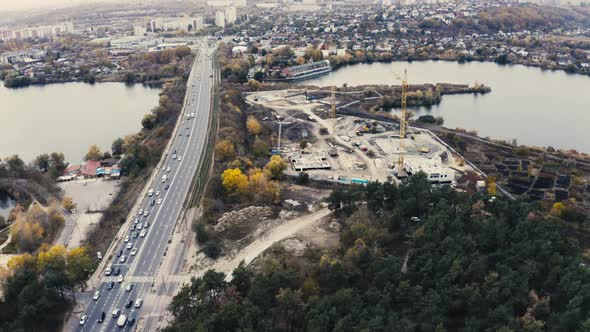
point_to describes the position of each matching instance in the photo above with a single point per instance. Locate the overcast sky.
(12, 5)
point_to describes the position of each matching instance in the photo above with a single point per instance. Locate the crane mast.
(402, 122)
(333, 110)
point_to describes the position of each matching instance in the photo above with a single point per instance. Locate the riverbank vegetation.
(464, 264)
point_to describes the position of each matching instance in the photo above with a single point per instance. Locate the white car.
(146, 225)
(129, 245)
(126, 239)
(139, 226)
(138, 302)
(136, 220)
(146, 213)
(140, 212)
(168, 169)
(120, 280)
(159, 201)
(83, 319)
(108, 271)
(129, 287)
(174, 156)
(143, 233)
(179, 158)
(96, 295)
(158, 193)
(122, 259)
(133, 251)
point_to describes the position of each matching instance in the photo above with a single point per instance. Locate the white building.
(231, 15)
(139, 30)
(37, 32)
(220, 18)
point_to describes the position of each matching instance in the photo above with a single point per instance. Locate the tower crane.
(333, 110)
(402, 124)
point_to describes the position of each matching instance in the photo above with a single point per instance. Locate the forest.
(412, 257)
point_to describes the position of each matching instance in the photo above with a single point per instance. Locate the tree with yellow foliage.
(300, 60)
(233, 180)
(224, 149)
(557, 209)
(79, 266)
(93, 153)
(276, 166)
(68, 203)
(253, 126)
(263, 188)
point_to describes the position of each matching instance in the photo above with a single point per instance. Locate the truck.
(164, 178)
(122, 320)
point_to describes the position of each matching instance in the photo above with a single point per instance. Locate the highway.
(164, 207)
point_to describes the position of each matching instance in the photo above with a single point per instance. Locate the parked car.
(96, 295)
(83, 319)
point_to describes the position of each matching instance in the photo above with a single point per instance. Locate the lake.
(541, 108)
(70, 117)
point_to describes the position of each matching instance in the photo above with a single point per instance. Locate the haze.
(19, 5)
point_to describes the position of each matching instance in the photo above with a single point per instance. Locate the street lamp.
(281, 131)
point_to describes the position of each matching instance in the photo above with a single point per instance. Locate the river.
(536, 107)
(70, 117)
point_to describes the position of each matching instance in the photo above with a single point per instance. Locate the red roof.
(90, 167)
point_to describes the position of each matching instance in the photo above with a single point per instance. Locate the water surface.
(70, 117)
(542, 108)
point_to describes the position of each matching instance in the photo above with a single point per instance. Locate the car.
(158, 192)
(134, 251)
(129, 245)
(108, 271)
(168, 169)
(174, 156)
(146, 213)
(140, 212)
(139, 226)
(135, 235)
(110, 285)
(159, 201)
(120, 280)
(179, 134)
(166, 187)
(151, 192)
(83, 319)
(101, 319)
(131, 321)
(122, 259)
(147, 224)
(188, 134)
(129, 304)
(183, 122)
(152, 203)
(126, 239)
(96, 295)
(133, 227)
(129, 287)
(116, 313)
(188, 128)
(138, 302)
(119, 253)
(136, 220)
(179, 158)
(117, 271)
(143, 233)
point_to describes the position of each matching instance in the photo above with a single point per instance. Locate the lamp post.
(281, 131)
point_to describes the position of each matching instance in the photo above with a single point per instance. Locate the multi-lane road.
(163, 210)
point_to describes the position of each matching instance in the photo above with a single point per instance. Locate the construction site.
(315, 138)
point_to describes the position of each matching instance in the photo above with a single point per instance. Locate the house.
(89, 168)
